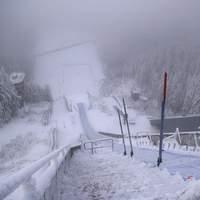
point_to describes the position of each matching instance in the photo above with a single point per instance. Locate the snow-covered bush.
(34, 93)
(17, 147)
(9, 101)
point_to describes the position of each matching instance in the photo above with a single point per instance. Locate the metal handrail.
(93, 144)
(14, 181)
(143, 133)
(171, 134)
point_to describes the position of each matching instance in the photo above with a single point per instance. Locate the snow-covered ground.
(175, 163)
(112, 176)
(107, 120)
(185, 163)
(26, 139)
(23, 140)
(104, 175)
(186, 167)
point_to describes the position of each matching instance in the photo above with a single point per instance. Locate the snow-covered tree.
(146, 67)
(9, 101)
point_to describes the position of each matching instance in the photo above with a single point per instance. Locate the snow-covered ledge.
(35, 181)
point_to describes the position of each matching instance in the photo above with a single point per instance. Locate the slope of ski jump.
(87, 127)
(66, 123)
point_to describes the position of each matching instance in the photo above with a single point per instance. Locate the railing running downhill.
(53, 139)
(145, 133)
(51, 162)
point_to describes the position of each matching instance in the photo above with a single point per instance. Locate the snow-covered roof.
(17, 77)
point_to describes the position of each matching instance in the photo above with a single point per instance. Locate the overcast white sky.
(37, 25)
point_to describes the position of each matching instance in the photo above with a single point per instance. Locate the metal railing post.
(159, 161)
(178, 134)
(92, 147)
(195, 140)
(122, 132)
(112, 145)
(128, 129)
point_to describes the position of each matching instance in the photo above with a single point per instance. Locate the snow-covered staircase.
(107, 175)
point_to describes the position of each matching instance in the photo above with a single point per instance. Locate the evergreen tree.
(9, 101)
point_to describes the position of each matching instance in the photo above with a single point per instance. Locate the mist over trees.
(146, 68)
(9, 100)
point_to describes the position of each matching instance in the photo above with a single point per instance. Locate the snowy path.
(111, 176)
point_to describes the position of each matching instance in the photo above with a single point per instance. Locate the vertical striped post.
(162, 119)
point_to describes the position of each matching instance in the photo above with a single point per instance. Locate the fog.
(71, 71)
(117, 27)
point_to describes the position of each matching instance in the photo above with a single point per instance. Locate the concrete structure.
(184, 123)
